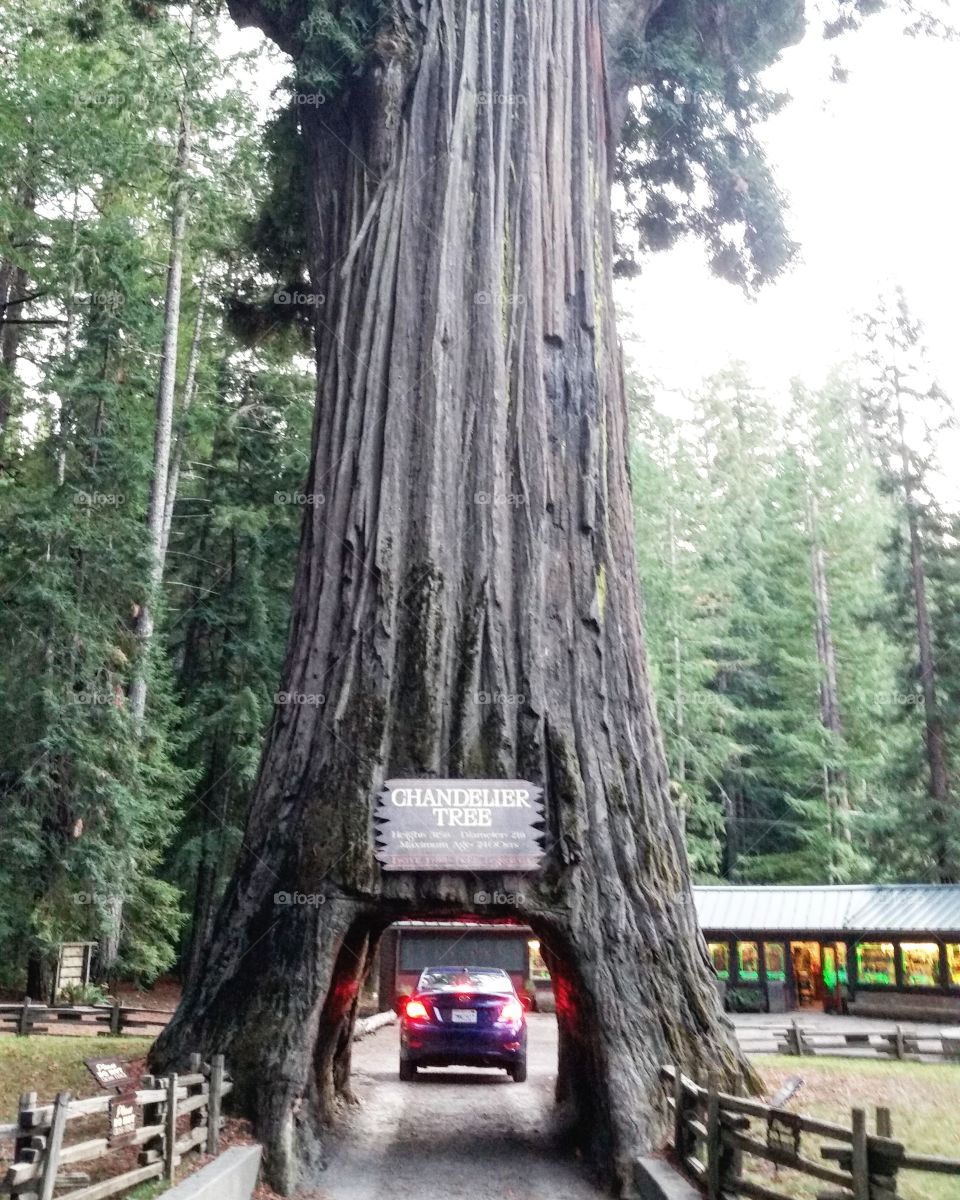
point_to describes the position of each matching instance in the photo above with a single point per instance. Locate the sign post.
(459, 825)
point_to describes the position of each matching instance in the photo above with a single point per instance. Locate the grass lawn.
(47, 1065)
(924, 1101)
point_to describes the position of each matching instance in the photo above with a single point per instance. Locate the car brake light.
(416, 1010)
(511, 1013)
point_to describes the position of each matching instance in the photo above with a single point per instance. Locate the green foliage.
(83, 993)
(733, 505)
(906, 413)
(334, 43)
(745, 999)
(689, 161)
(232, 556)
(92, 803)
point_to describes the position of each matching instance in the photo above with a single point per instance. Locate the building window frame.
(753, 978)
(894, 984)
(937, 985)
(727, 975)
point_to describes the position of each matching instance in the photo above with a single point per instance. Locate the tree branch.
(22, 299)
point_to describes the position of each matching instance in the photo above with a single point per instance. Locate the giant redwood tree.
(465, 602)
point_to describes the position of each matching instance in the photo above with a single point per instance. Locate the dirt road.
(454, 1134)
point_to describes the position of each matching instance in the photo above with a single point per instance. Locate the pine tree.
(905, 411)
(685, 623)
(761, 580)
(231, 570)
(90, 792)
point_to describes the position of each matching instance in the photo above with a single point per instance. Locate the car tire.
(408, 1071)
(518, 1071)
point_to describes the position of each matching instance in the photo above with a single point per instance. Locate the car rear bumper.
(432, 1047)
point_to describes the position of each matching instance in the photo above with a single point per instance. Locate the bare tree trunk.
(836, 786)
(166, 390)
(210, 864)
(13, 290)
(189, 392)
(163, 431)
(939, 780)
(471, 535)
(10, 335)
(69, 330)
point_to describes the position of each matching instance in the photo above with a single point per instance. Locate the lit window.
(538, 968)
(921, 964)
(842, 961)
(748, 960)
(720, 957)
(953, 962)
(875, 963)
(775, 960)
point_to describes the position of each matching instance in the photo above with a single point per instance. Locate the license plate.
(463, 1016)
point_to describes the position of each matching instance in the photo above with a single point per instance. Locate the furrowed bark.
(465, 602)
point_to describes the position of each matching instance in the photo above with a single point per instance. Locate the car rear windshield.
(458, 979)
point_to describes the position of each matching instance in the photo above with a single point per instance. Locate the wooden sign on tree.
(459, 824)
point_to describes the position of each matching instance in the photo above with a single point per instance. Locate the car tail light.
(511, 1013)
(416, 1010)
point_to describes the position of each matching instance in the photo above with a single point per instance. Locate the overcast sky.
(871, 171)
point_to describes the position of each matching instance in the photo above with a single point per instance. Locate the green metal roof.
(852, 908)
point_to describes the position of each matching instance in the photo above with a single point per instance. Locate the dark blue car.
(463, 1016)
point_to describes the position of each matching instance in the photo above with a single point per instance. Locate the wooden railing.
(931, 1045)
(166, 1118)
(29, 1017)
(717, 1135)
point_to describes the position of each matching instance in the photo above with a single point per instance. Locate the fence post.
(23, 1151)
(23, 1021)
(170, 1130)
(713, 1136)
(116, 1018)
(798, 1046)
(888, 1179)
(860, 1165)
(198, 1116)
(679, 1133)
(51, 1159)
(214, 1101)
(898, 1042)
(153, 1149)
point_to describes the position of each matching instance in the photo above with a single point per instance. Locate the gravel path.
(454, 1134)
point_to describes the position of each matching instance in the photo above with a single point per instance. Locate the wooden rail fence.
(29, 1017)
(715, 1136)
(793, 1038)
(166, 1118)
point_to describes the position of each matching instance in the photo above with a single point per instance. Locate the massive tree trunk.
(465, 602)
